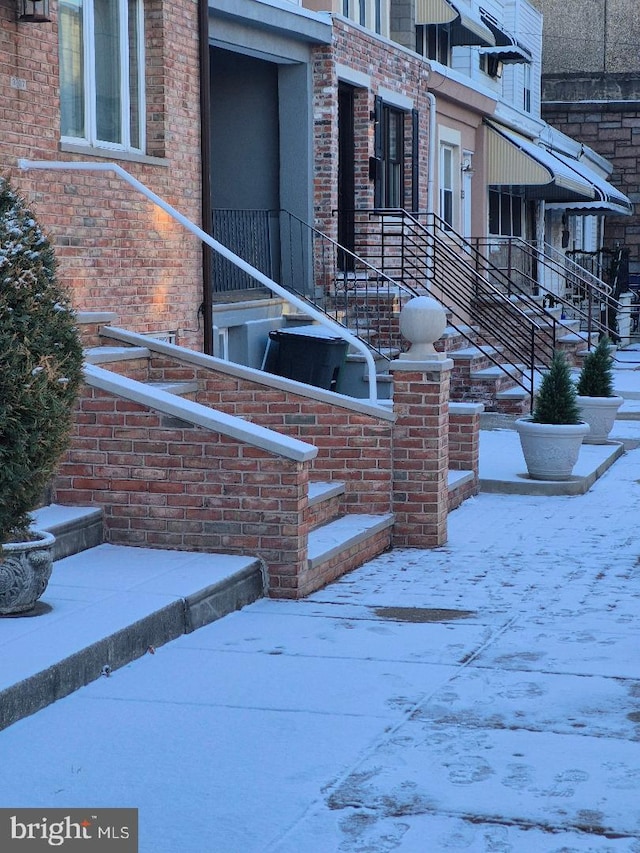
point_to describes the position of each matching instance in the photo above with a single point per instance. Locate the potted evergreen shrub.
(40, 373)
(552, 436)
(596, 398)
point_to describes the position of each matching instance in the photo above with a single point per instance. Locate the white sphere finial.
(422, 322)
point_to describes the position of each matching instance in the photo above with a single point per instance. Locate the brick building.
(591, 90)
(113, 246)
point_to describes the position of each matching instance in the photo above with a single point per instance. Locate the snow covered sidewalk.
(483, 696)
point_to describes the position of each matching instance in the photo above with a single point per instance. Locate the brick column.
(421, 379)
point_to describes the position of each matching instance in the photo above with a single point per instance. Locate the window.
(392, 177)
(447, 159)
(526, 97)
(372, 14)
(433, 41)
(491, 65)
(505, 214)
(102, 73)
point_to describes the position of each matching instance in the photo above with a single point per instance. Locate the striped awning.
(507, 48)
(608, 198)
(515, 160)
(466, 26)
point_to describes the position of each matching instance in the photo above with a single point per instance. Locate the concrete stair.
(477, 378)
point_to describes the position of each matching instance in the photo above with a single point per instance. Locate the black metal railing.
(577, 288)
(425, 255)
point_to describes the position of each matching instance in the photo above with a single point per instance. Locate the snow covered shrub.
(40, 365)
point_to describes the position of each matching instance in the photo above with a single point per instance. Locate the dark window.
(433, 41)
(392, 177)
(505, 214)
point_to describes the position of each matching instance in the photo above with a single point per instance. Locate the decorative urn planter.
(550, 450)
(600, 413)
(25, 569)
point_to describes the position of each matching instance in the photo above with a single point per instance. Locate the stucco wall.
(590, 36)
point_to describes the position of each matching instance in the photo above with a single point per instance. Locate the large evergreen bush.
(556, 400)
(40, 364)
(596, 376)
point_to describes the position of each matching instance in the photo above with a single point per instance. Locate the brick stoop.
(133, 449)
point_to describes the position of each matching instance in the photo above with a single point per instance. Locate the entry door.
(346, 175)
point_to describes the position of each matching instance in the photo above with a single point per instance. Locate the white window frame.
(371, 14)
(450, 140)
(89, 81)
(526, 87)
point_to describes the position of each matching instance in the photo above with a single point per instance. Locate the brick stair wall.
(164, 480)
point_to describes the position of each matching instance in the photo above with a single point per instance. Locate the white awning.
(515, 160)
(466, 26)
(608, 198)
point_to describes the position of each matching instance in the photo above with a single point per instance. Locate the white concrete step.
(343, 534)
(105, 355)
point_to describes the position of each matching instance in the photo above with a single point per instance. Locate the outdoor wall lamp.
(34, 11)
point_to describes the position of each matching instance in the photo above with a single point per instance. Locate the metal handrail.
(434, 260)
(548, 257)
(222, 250)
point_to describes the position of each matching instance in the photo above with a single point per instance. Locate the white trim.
(355, 78)
(395, 99)
(90, 85)
(199, 415)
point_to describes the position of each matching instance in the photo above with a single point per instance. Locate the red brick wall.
(387, 66)
(166, 484)
(464, 439)
(420, 455)
(352, 446)
(115, 249)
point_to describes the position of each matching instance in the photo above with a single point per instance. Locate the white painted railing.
(256, 274)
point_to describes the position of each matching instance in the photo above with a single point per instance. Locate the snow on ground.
(483, 696)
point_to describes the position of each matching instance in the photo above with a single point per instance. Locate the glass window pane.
(107, 59)
(71, 68)
(494, 212)
(447, 168)
(517, 217)
(505, 214)
(134, 75)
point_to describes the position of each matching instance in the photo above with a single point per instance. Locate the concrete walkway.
(484, 696)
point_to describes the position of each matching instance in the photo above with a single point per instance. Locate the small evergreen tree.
(596, 376)
(556, 400)
(40, 364)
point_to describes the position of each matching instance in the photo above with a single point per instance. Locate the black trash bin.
(309, 354)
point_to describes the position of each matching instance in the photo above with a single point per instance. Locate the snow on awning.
(608, 198)
(507, 48)
(515, 160)
(466, 26)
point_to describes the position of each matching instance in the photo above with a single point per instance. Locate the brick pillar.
(421, 379)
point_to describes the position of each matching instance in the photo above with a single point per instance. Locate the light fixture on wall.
(34, 11)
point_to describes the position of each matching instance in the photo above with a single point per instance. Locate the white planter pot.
(25, 569)
(550, 450)
(600, 413)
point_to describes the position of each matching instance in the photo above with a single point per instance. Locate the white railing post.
(252, 271)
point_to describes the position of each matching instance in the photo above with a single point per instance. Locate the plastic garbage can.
(309, 354)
